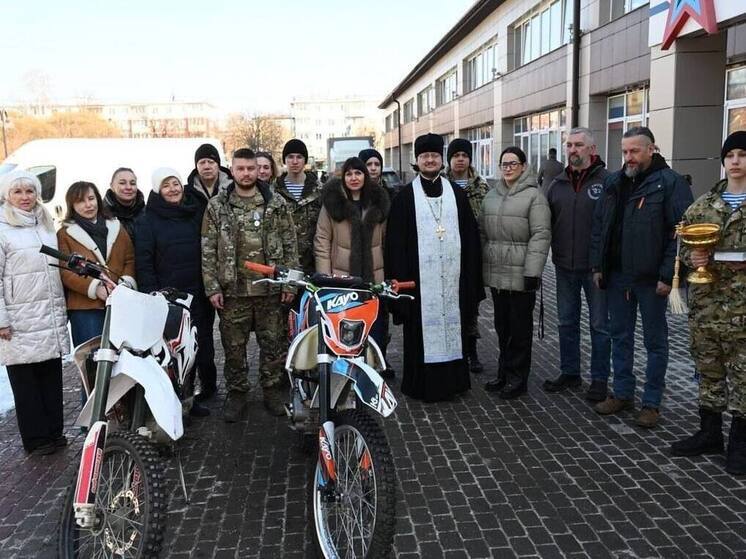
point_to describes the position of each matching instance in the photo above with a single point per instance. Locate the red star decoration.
(701, 11)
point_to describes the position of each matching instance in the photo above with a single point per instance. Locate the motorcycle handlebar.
(403, 285)
(260, 268)
(54, 253)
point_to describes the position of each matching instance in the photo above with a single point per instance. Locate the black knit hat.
(207, 151)
(737, 140)
(428, 143)
(295, 146)
(366, 154)
(457, 145)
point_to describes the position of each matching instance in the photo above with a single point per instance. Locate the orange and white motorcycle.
(333, 365)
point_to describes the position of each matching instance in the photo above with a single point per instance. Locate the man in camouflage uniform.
(247, 222)
(460, 172)
(717, 315)
(301, 191)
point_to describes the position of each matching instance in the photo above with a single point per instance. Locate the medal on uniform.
(256, 219)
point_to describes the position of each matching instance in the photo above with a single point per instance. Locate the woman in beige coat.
(33, 332)
(515, 224)
(351, 229)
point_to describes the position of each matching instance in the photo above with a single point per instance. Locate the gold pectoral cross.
(440, 231)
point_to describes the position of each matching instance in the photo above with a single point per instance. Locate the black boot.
(517, 385)
(496, 384)
(735, 462)
(708, 440)
(475, 366)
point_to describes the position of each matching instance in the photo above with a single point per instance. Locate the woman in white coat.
(33, 332)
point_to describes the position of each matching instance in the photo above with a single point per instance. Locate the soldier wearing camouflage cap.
(717, 316)
(247, 222)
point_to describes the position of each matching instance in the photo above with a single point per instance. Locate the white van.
(60, 162)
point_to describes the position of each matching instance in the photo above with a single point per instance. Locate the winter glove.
(530, 283)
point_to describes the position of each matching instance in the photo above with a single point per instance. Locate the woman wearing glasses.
(515, 224)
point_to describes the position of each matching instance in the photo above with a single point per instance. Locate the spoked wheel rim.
(120, 505)
(345, 523)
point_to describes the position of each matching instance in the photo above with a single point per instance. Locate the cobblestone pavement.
(543, 476)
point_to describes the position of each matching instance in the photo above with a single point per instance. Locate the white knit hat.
(161, 174)
(18, 175)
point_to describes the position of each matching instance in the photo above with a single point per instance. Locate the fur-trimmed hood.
(375, 202)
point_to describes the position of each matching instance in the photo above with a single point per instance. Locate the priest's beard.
(430, 176)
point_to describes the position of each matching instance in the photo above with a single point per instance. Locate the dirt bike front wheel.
(357, 519)
(130, 504)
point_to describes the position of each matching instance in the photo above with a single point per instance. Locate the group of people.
(612, 237)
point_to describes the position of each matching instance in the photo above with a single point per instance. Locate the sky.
(243, 56)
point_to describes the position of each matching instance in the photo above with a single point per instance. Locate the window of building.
(540, 31)
(480, 68)
(447, 139)
(408, 110)
(481, 144)
(395, 119)
(445, 88)
(735, 100)
(617, 8)
(426, 100)
(388, 123)
(625, 111)
(536, 133)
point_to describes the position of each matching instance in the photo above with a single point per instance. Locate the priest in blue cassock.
(432, 238)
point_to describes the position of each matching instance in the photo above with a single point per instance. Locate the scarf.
(97, 230)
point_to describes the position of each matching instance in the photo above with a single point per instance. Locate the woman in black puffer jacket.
(168, 254)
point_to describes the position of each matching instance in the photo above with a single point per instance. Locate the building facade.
(170, 119)
(504, 76)
(317, 119)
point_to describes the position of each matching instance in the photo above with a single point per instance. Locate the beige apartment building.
(504, 75)
(315, 119)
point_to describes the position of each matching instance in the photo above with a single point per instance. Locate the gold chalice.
(702, 236)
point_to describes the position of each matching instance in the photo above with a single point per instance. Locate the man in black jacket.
(206, 179)
(572, 197)
(632, 257)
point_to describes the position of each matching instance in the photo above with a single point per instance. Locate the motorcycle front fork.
(87, 485)
(326, 430)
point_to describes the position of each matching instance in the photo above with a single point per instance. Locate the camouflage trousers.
(265, 317)
(719, 353)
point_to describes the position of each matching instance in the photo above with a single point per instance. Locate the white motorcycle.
(141, 387)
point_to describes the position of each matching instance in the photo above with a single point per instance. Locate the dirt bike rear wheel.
(359, 520)
(131, 503)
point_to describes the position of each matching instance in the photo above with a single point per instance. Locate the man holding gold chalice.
(717, 315)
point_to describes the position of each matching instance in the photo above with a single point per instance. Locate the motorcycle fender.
(163, 402)
(369, 385)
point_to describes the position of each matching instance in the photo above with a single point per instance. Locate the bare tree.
(258, 132)
(84, 124)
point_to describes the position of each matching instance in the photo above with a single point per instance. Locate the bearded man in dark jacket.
(572, 197)
(632, 256)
